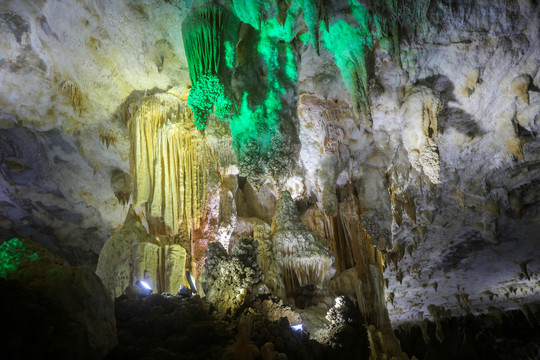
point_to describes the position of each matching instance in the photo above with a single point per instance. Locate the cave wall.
(446, 177)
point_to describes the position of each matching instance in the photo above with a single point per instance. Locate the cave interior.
(270, 179)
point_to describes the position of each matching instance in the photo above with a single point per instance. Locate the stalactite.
(204, 32)
(438, 313)
(169, 165)
(311, 12)
(333, 229)
(178, 190)
(143, 128)
(73, 95)
(202, 40)
(368, 265)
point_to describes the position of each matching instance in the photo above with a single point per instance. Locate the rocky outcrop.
(67, 309)
(132, 254)
(346, 334)
(231, 280)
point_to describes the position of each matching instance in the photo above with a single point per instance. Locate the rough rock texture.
(67, 309)
(299, 257)
(48, 194)
(132, 254)
(346, 334)
(230, 279)
(466, 237)
(446, 178)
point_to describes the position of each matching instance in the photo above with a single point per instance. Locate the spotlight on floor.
(297, 327)
(143, 285)
(191, 282)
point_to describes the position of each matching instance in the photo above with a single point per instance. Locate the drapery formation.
(168, 164)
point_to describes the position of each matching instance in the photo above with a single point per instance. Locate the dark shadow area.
(27, 174)
(176, 327)
(248, 201)
(36, 326)
(450, 116)
(471, 242)
(511, 335)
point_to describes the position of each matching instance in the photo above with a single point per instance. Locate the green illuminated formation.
(284, 32)
(203, 33)
(253, 12)
(202, 40)
(256, 122)
(207, 96)
(14, 254)
(311, 18)
(229, 54)
(257, 140)
(349, 45)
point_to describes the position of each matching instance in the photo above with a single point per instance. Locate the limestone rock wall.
(446, 177)
(66, 70)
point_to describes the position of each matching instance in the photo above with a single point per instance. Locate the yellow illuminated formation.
(169, 164)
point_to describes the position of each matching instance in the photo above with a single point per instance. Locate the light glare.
(145, 284)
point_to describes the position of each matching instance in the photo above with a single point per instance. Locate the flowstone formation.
(298, 257)
(167, 164)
